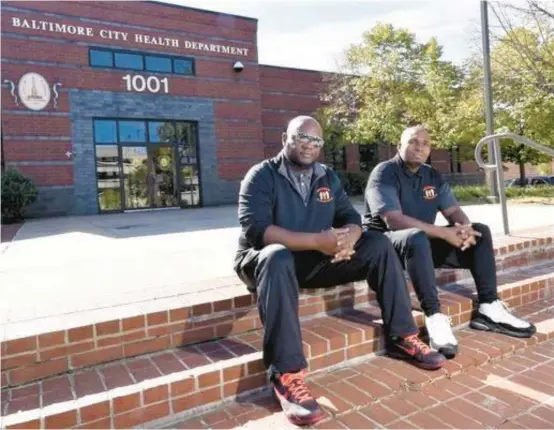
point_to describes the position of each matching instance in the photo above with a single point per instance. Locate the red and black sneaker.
(412, 348)
(298, 404)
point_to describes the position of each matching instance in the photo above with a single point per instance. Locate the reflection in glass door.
(137, 181)
(189, 181)
(163, 172)
(143, 164)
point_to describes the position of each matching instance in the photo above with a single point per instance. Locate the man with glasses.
(402, 199)
(299, 230)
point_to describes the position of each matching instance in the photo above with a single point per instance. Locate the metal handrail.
(498, 157)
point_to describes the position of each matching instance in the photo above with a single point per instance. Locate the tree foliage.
(390, 80)
(522, 66)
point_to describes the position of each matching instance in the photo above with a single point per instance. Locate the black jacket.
(267, 196)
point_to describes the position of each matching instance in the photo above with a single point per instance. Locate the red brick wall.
(238, 97)
(353, 158)
(286, 93)
(440, 160)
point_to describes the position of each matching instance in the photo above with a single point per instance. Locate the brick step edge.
(34, 358)
(328, 342)
(385, 391)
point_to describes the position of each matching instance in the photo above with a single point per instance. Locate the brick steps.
(131, 392)
(508, 385)
(43, 347)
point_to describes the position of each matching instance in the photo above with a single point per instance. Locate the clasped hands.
(338, 243)
(461, 236)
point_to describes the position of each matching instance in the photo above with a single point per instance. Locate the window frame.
(368, 164)
(143, 55)
(195, 135)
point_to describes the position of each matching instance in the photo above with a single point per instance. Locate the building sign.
(126, 36)
(139, 83)
(34, 91)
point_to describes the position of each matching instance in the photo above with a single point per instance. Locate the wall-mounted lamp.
(238, 66)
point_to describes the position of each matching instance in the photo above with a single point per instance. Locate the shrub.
(473, 193)
(469, 193)
(18, 192)
(540, 191)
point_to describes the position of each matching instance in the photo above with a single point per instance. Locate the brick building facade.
(114, 106)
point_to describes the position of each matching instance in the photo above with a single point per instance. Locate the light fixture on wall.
(238, 66)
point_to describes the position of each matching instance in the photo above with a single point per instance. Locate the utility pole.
(489, 115)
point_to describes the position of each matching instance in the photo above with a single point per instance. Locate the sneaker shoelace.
(418, 343)
(298, 389)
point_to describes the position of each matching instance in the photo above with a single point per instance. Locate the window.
(107, 177)
(183, 67)
(140, 61)
(146, 164)
(335, 157)
(132, 131)
(369, 156)
(161, 132)
(101, 58)
(105, 131)
(128, 61)
(158, 64)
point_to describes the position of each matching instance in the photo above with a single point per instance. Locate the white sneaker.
(497, 317)
(440, 333)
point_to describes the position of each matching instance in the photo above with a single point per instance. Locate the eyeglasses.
(303, 138)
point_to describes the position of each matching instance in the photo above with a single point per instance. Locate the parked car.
(532, 180)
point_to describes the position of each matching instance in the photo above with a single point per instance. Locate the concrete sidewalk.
(65, 265)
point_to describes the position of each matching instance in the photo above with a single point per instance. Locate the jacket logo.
(324, 195)
(429, 192)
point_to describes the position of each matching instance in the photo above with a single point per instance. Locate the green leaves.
(390, 81)
(393, 81)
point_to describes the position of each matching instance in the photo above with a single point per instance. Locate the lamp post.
(487, 87)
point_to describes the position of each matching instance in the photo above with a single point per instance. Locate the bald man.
(299, 229)
(402, 199)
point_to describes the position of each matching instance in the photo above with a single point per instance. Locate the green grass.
(479, 193)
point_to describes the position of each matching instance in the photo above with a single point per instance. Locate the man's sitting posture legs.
(299, 229)
(403, 197)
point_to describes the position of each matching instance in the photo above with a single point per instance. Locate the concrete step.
(511, 388)
(134, 391)
(36, 348)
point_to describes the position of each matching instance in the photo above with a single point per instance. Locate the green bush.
(353, 182)
(18, 192)
(470, 193)
(540, 191)
(474, 193)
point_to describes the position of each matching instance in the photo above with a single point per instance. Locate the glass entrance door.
(137, 179)
(162, 161)
(189, 178)
(149, 176)
(144, 164)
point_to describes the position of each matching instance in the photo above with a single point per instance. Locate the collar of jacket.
(319, 171)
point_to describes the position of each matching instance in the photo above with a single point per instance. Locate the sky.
(313, 34)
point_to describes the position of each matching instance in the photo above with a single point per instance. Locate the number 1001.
(139, 83)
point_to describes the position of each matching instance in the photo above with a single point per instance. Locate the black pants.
(278, 273)
(420, 255)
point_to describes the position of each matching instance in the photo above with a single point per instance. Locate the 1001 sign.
(139, 83)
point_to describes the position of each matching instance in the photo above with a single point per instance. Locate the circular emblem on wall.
(34, 91)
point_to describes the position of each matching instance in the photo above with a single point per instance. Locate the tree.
(390, 81)
(527, 34)
(522, 67)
